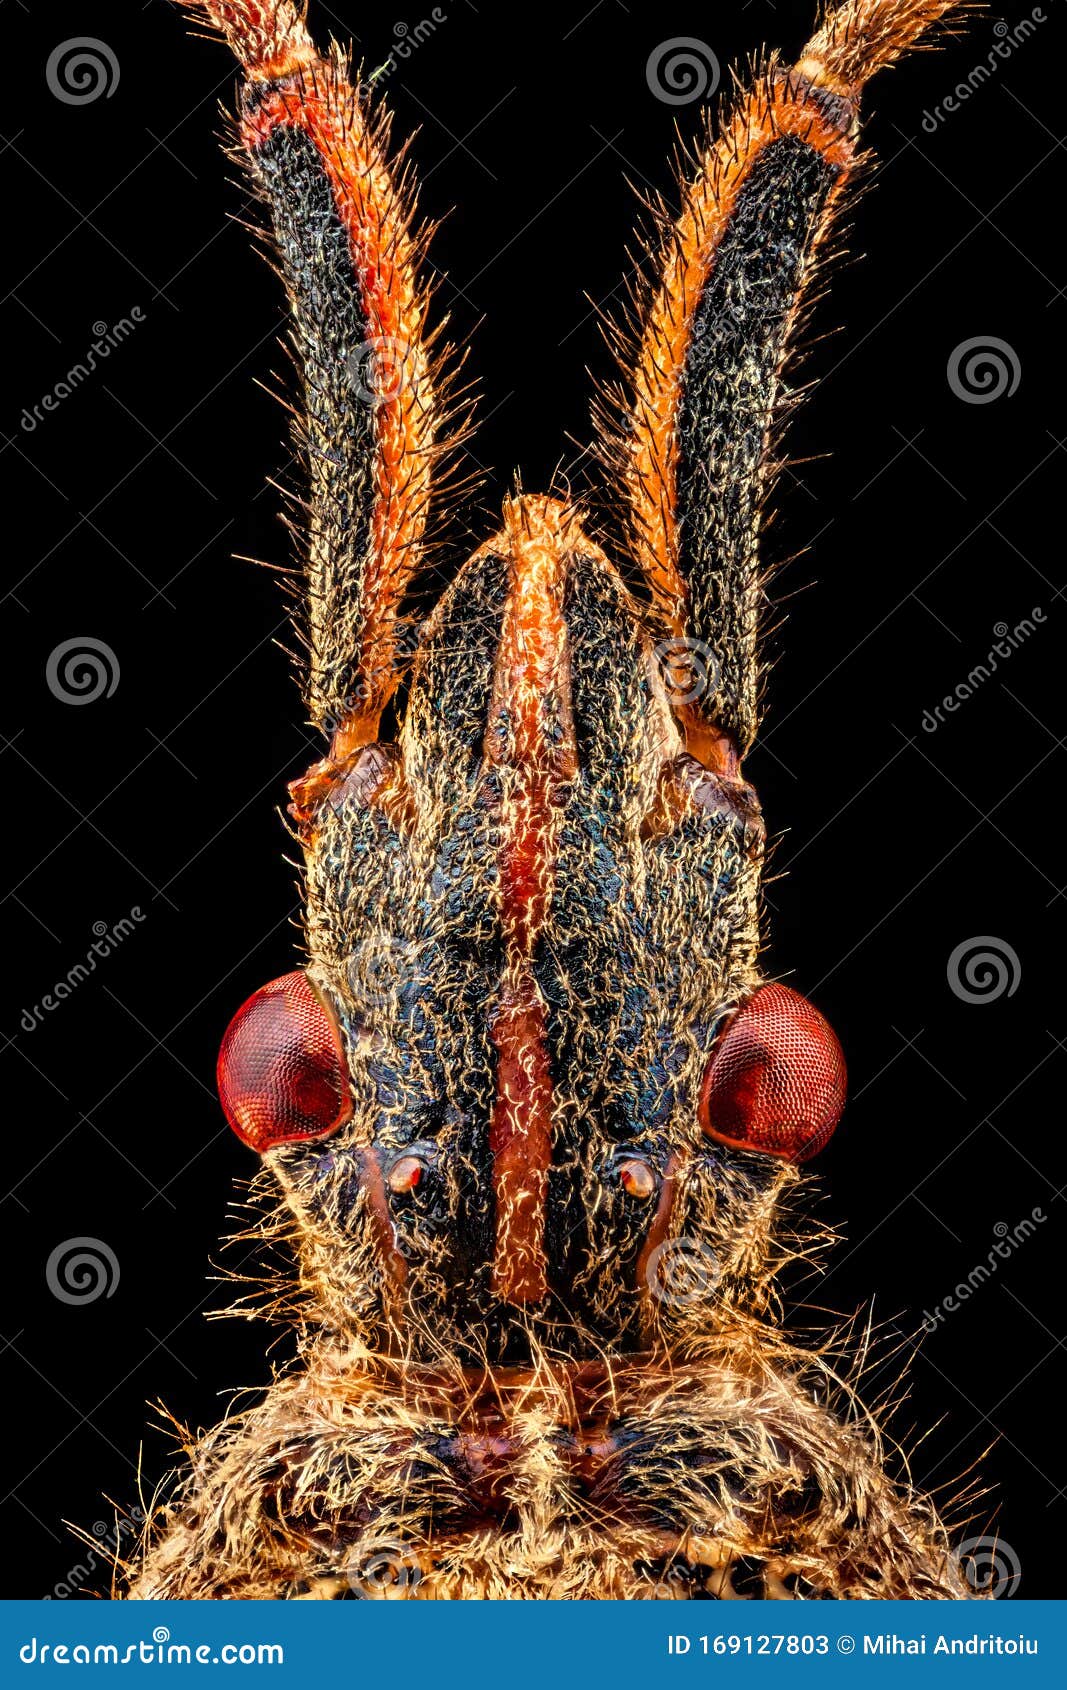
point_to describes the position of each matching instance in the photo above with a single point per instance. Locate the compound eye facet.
(282, 1074)
(776, 1080)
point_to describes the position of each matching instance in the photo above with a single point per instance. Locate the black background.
(933, 520)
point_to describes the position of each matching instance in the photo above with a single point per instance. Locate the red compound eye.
(776, 1081)
(282, 1074)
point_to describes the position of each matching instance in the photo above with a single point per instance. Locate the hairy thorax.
(724, 1477)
